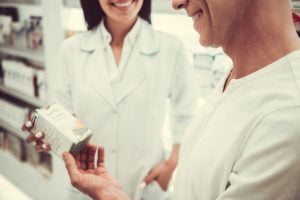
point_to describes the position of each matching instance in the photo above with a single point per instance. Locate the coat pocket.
(153, 191)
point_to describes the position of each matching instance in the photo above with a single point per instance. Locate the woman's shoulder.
(80, 40)
(164, 38)
(73, 41)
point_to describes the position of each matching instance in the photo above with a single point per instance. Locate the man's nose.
(179, 4)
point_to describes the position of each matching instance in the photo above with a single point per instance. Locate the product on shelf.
(32, 155)
(209, 68)
(3, 140)
(202, 73)
(34, 32)
(16, 146)
(13, 115)
(29, 80)
(5, 29)
(40, 160)
(45, 163)
(62, 130)
(9, 17)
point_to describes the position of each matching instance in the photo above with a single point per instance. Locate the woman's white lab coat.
(128, 124)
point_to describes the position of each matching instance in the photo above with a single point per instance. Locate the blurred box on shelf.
(62, 130)
(9, 16)
(34, 32)
(40, 160)
(5, 29)
(221, 65)
(21, 77)
(13, 115)
(41, 85)
(209, 68)
(16, 146)
(3, 140)
(45, 163)
(202, 73)
(32, 155)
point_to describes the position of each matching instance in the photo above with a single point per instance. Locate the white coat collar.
(131, 37)
(147, 41)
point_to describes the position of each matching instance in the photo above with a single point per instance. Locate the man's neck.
(265, 38)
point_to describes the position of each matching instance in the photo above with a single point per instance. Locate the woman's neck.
(118, 30)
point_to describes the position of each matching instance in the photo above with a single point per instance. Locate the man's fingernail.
(38, 135)
(64, 156)
(28, 124)
(142, 185)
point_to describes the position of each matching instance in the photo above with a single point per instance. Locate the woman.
(117, 78)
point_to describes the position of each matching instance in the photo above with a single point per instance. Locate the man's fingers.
(100, 160)
(72, 169)
(91, 153)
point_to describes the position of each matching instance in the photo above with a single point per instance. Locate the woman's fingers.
(35, 137)
(27, 126)
(42, 146)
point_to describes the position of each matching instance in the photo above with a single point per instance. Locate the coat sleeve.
(62, 93)
(182, 95)
(269, 167)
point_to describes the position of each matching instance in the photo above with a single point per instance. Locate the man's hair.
(93, 13)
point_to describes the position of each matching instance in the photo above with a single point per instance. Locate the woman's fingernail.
(28, 124)
(142, 185)
(38, 135)
(44, 146)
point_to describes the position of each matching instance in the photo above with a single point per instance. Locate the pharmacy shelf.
(32, 181)
(158, 6)
(11, 129)
(30, 100)
(25, 176)
(28, 2)
(10, 191)
(71, 3)
(34, 55)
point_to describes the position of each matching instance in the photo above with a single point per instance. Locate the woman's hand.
(35, 137)
(92, 178)
(162, 174)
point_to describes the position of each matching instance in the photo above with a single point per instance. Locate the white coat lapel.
(95, 72)
(147, 44)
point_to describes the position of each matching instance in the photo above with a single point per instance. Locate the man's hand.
(93, 180)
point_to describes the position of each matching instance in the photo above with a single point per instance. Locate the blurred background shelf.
(25, 176)
(34, 55)
(14, 130)
(30, 100)
(28, 2)
(71, 3)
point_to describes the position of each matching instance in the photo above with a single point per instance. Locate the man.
(245, 142)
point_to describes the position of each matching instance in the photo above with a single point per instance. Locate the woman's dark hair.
(93, 12)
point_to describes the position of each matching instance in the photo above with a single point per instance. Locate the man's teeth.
(196, 16)
(125, 4)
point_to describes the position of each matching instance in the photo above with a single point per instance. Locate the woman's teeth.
(125, 4)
